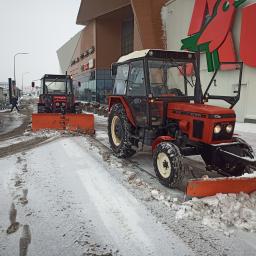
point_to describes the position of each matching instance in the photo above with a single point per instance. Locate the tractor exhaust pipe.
(198, 93)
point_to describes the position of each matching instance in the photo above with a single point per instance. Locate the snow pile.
(249, 175)
(157, 195)
(221, 212)
(132, 178)
(4, 110)
(44, 133)
(245, 127)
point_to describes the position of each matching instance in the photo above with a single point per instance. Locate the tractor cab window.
(136, 85)
(121, 80)
(167, 78)
(58, 86)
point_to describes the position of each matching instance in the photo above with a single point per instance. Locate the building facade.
(117, 27)
(4, 94)
(112, 28)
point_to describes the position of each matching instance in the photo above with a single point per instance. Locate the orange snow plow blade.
(211, 187)
(83, 123)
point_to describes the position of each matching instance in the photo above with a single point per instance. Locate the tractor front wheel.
(119, 132)
(168, 164)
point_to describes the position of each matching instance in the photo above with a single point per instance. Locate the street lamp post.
(19, 53)
(23, 73)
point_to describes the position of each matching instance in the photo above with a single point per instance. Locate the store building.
(112, 28)
(4, 94)
(117, 27)
(234, 27)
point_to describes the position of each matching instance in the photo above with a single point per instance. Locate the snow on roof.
(143, 53)
(134, 55)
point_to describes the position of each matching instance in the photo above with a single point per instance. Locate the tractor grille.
(198, 128)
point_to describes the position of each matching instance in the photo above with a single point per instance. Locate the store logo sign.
(88, 65)
(210, 32)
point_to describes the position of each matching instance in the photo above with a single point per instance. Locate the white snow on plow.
(222, 212)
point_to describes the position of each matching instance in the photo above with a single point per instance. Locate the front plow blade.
(211, 187)
(83, 123)
(80, 123)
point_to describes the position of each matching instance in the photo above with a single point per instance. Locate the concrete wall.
(177, 19)
(108, 45)
(65, 53)
(86, 40)
(148, 25)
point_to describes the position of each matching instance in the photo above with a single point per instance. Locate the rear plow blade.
(211, 187)
(83, 123)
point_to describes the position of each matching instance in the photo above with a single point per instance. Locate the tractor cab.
(150, 79)
(56, 94)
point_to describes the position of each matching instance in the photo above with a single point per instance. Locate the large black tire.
(226, 165)
(239, 169)
(77, 108)
(41, 108)
(120, 132)
(168, 164)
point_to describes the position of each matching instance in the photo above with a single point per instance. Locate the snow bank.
(221, 212)
(245, 127)
(249, 175)
(45, 133)
(4, 110)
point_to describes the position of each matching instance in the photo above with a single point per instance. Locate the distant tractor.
(152, 104)
(57, 95)
(57, 107)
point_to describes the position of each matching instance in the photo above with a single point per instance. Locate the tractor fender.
(161, 139)
(119, 99)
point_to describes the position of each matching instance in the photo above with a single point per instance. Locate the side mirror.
(79, 84)
(33, 84)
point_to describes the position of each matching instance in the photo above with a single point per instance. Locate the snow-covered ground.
(10, 121)
(82, 200)
(67, 174)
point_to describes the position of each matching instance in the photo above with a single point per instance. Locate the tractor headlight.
(217, 129)
(63, 104)
(229, 128)
(57, 104)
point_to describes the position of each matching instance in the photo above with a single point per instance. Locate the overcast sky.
(39, 27)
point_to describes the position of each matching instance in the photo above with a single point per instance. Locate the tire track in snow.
(134, 230)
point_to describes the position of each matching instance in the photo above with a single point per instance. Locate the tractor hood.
(199, 121)
(200, 110)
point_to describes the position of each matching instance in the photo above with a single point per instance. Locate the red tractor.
(57, 108)
(57, 95)
(153, 104)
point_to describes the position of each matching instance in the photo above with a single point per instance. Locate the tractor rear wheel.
(168, 164)
(119, 132)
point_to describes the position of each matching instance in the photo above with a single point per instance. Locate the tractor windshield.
(58, 86)
(168, 78)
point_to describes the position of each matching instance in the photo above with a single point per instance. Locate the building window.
(127, 37)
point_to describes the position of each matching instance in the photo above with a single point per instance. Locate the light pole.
(23, 73)
(18, 53)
